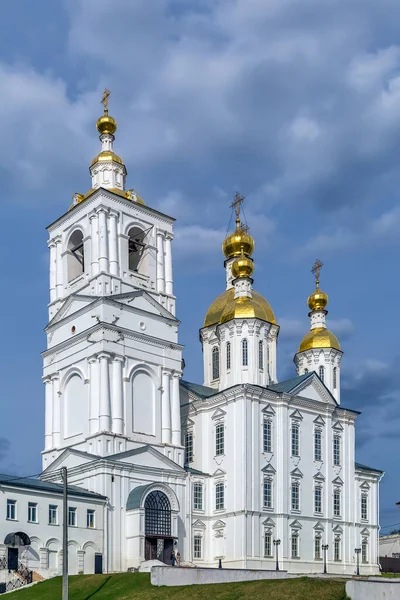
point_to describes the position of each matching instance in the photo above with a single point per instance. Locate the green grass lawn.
(132, 586)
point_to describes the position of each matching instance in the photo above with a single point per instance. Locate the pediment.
(365, 531)
(70, 458)
(144, 302)
(337, 426)
(198, 524)
(146, 457)
(72, 305)
(268, 469)
(319, 526)
(295, 524)
(296, 415)
(218, 414)
(313, 389)
(337, 481)
(319, 421)
(319, 477)
(365, 486)
(219, 524)
(219, 473)
(296, 473)
(337, 529)
(268, 410)
(268, 522)
(189, 423)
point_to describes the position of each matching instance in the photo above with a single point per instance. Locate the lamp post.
(276, 544)
(358, 552)
(325, 548)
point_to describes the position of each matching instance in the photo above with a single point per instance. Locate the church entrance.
(158, 542)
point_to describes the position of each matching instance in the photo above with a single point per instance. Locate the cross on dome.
(316, 269)
(104, 100)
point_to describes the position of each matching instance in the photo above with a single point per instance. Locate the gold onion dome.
(320, 337)
(237, 241)
(317, 300)
(107, 156)
(242, 267)
(226, 307)
(106, 124)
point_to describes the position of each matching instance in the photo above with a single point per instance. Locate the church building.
(242, 468)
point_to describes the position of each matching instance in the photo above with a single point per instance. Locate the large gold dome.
(320, 337)
(225, 307)
(107, 156)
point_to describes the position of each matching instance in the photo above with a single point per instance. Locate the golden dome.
(320, 337)
(236, 241)
(242, 267)
(225, 307)
(106, 124)
(318, 300)
(107, 156)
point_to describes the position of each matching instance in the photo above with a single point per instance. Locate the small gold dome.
(225, 307)
(320, 337)
(318, 300)
(235, 242)
(106, 124)
(242, 267)
(107, 156)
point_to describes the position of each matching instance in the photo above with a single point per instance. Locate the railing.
(3, 562)
(22, 576)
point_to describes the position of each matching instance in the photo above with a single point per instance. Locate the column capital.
(92, 215)
(168, 236)
(102, 209)
(106, 355)
(51, 243)
(93, 359)
(47, 379)
(57, 239)
(113, 213)
(55, 377)
(176, 374)
(160, 233)
(120, 359)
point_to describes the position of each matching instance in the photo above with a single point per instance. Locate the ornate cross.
(237, 204)
(104, 100)
(316, 269)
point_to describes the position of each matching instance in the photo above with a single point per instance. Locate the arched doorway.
(15, 541)
(158, 542)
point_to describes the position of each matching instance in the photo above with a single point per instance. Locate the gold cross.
(104, 100)
(237, 204)
(316, 269)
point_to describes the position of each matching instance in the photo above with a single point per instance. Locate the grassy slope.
(132, 586)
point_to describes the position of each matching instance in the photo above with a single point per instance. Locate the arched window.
(321, 372)
(215, 362)
(245, 353)
(76, 257)
(136, 247)
(261, 355)
(228, 355)
(334, 378)
(157, 514)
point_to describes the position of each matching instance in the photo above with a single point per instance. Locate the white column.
(53, 271)
(103, 245)
(175, 411)
(94, 235)
(117, 396)
(94, 395)
(113, 243)
(165, 409)
(168, 266)
(105, 409)
(56, 411)
(160, 263)
(44, 558)
(48, 427)
(59, 267)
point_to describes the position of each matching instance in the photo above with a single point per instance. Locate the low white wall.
(377, 589)
(193, 576)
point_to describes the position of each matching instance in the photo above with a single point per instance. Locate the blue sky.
(294, 104)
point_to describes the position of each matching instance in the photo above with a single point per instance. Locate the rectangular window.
(267, 493)
(267, 545)
(364, 507)
(32, 512)
(12, 510)
(219, 439)
(317, 444)
(336, 450)
(197, 546)
(336, 503)
(260, 355)
(317, 548)
(364, 552)
(267, 436)
(198, 496)
(72, 516)
(245, 354)
(295, 545)
(90, 518)
(295, 439)
(318, 500)
(219, 496)
(228, 356)
(295, 496)
(188, 447)
(336, 556)
(53, 514)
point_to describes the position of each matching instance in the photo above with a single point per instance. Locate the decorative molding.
(295, 524)
(296, 415)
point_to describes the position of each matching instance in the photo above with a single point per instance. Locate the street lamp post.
(276, 544)
(325, 548)
(358, 552)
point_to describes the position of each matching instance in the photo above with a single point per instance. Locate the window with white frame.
(364, 506)
(364, 550)
(336, 503)
(317, 547)
(90, 514)
(197, 546)
(219, 496)
(198, 496)
(219, 439)
(317, 444)
(267, 493)
(318, 499)
(295, 544)
(53, 514)
(32, 512)
(12, 510)
(261, 355)
(245, 353)
(228, 355)
(295, 439)
(336, 450)
(72, 516)
(267, 544)
(337, 548)
(267, 435)
(215, 362)
(295, 495)
(321, 372)
(334, 378)
(188, 447)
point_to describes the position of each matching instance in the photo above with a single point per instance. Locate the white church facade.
(233, 470)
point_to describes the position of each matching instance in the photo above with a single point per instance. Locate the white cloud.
(295, 329)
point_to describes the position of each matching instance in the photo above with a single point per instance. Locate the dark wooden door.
(12, 559)
(168, 547)
(98, 564)
(150, 549)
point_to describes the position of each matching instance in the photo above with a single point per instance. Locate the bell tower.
(113, 361)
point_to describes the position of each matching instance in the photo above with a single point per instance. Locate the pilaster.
(105, 407)
(117, 396)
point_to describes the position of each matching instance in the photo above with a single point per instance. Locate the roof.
(136, 495)
(196, 471)
(360, 467)
(47, 486)
(290, 384)
(200, 390)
